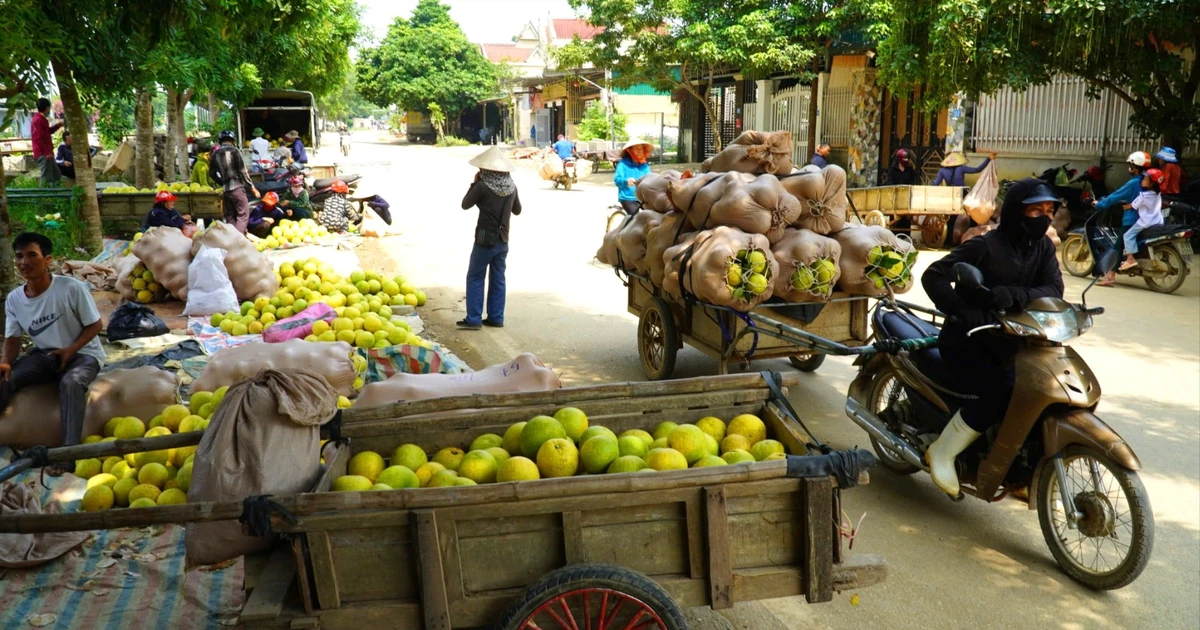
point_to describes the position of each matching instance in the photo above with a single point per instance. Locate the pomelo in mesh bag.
(249, 271)
(758, 205)
(651, 190)
(631, 240)
(166, 253)
(706, 273)
(808, 266)
(754, 152)
(874, 260)
(822, 195)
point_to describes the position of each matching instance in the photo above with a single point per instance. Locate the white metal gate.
(789, 110)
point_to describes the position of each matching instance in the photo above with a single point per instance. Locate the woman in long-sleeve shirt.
(294, 201)
(631, 167)
(495, 194)
(954, 169)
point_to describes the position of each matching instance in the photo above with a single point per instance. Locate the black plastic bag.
(135, 320)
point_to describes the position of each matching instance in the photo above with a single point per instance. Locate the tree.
(346, 103)
(423, 59)
(1140, 50)
(594, 125)
(665, 44)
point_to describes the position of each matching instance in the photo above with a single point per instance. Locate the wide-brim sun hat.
(292, 135)
(955, 159)
(257, 133)
(492, 160)
(633, 142)
(1167, 154)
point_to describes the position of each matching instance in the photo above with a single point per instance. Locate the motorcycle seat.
(326, 182)
(1157, 233)
(896, 326)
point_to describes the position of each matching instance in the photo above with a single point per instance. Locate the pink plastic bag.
(300, 325)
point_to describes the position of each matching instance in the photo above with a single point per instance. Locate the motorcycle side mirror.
(968, 274)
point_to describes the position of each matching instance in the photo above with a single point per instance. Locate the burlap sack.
(754, 152)
(249, 271)
(330, 359)
(672, 260)
(758, 206)
(265, 438)
(33, 419)
(18, 551)
(525, 373)
(167, 254)
(978, 230)
(124, 266)
(808, 266)
(699, 211)
(652, 190)
(682, 192)
(551, 167)
(608, 253)
(705, 274)
(891, 267)
(631, 241)
(822, 198)
(658, 239)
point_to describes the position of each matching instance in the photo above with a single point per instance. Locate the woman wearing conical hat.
(954, 169)
(495, 194)
(632, 166)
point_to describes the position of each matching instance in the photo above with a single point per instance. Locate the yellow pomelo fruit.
(711, 446)
(659, 443)
(485, 441)
(121, 490)
(666, 459)
(478, 466)
(664, 429)
(111, 426)
(802, 278)
(597, 453)
(758, 261)
(129, 428)
(632, 445)
(626, 464)
(181, 454)
(573, 421)
(499, 453)
(183, 478)
(206, 410)
(320, 326)
(442, 479)
(538, 431)
(347, 336)
(738, 456)
(156, 421)
(380, 486)
(557, 457)
(92, 439)
(144, 502)
(733, 277)
(329, 335)
(109, 462)
(774, 456)
(97, 499)
(352, 483)
(144, 491)
(449, 457)
(594, 431)
(463, 481)
(426, 471)
(396, 477)
(709, 460)
(512, 438)
(123, 470)
(153, 474)
(748, 425)
(190, 423)
(364, 339)
(366, 464)
(765, 448)
(640, 434)
(175, 414)
(103, 479)
(757, 283)
(689, 440)
(712, 426)
(410, 456)
(735, 442)
(88, 468)
(517, 468)
(173, 496)
(141, 460)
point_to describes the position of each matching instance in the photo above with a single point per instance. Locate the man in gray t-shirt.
(59, 315)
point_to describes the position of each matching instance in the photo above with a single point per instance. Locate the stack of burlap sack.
(750, 227)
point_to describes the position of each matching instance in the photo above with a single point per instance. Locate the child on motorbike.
(1149, 213)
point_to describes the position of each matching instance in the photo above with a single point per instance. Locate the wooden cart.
(799, 332)
(928, 208)
(135, 206)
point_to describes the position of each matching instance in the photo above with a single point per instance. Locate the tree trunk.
(714, 120)
(144, 143)
(181, 147)
(214, 110)
(85, 177)
(169, 151)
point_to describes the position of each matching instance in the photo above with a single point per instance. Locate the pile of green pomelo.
(563, 446)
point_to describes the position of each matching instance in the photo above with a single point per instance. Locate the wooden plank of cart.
(635, 546)
(801, 333)
(928, 209)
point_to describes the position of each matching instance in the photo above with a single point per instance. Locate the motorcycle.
(1069, 465)
(568, 176)
(1164, 253)
(322, 189)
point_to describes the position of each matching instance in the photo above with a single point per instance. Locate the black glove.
(1002, 299)
(972, 317)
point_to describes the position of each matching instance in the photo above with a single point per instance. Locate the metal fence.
(789, 111)
(1057, 119)
(835, 117)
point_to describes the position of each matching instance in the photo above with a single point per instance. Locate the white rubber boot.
(955, 438)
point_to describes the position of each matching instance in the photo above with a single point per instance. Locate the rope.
(256, 515)
(775, 384)
(39, 455)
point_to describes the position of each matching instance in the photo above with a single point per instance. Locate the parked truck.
(278, 112)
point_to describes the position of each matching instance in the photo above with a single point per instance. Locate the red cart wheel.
(595, 596)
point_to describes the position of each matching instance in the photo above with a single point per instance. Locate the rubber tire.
(670, 341)
(1174, 259)
(578, 576)
(1139, 507)
(893, 463)
(808, 364)
(1077, 271)
(567, 185)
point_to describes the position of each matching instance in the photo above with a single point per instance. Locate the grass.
(29, 215)
(452, 141)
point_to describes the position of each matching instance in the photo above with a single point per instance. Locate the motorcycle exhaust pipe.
(878, 430)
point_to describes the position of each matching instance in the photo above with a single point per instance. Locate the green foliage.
(1134, 47)
(396, 122)
(27, 215)
(114, 118)
(345, 103)
(437, 118)
(425, 58)
(452, 141)
(594, 125)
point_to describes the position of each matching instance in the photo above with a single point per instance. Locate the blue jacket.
(1121, 196)
(627, 169)
(564, 148)
(956, 175)
(298, 153)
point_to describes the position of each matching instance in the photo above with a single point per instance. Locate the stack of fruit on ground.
(177, 188)
(564, 445)
(292, 233)
(760, 207)
(150, 478)
(142, 281)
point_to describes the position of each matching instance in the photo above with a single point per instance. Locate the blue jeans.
(483, 258)
(1130, 238)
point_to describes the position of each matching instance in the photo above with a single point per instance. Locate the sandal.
(1127, 265)
(1106, 283)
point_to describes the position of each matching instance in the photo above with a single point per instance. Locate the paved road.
(952, 565)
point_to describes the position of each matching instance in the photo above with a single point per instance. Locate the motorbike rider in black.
(1019, 264)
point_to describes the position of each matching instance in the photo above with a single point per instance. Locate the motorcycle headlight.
(1058, 327)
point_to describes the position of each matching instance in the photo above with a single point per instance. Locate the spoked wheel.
(1169, 257)
(886, 391)
(933, 231)
(1076, 257)
(658, 341)
(807, 362)
(596, 596)
(1112, 537)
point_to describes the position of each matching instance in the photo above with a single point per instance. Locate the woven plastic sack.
(980, 203)
(300, 325)
(264, 439)
(652, 190)
(124, 266)
(608, 253)
(249, 270)
(552, 166)
(658, 239)
(209, 288)
(167, 253)
(808, 266)
(631, 240)
(874, 260)
(33, 419)
(525, 373)
(823, 202)
(754, 152)
(758, 205)
(729, 267)
(682, 192)
(330, 359)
